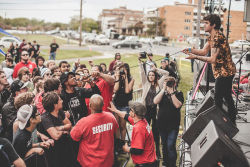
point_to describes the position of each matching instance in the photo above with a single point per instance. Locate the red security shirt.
(106, 93)
(142, 138)
(30, 65)
(96, 135)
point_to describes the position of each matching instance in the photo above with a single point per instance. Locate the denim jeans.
(223, 89)
(168, 139)
(52, 56)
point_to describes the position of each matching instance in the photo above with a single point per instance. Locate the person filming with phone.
(168, 119)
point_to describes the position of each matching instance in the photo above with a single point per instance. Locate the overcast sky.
(63, 10)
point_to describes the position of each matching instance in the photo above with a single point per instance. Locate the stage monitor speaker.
(247, 11)
(207, 102)
(220, 120)
(213, 147)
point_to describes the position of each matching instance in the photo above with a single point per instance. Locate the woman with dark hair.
(123, 90)
(104, 68)
(151, 85)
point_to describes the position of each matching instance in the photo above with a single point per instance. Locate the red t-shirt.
(142, 138)
(30, 65)
(96, 135)
(106, 93)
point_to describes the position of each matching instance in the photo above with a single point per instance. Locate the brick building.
(180, 21)
(122, 20)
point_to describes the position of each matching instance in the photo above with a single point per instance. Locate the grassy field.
(41, 39)
(64, 54)
(69, 54)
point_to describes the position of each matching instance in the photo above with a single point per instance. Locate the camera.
(170, 84)
(122, 72)
(143, 55)
(84, 76)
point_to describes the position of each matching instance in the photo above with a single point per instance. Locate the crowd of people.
(55, 115)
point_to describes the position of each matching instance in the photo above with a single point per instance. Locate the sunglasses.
(48, 74)
(25, 54)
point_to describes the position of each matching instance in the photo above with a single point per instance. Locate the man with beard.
(74, 97)
(25, 62)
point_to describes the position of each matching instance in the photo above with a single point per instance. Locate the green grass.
(69, 54)
(41, 39)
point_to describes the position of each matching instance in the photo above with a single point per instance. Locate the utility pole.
(198, 24)
(156, 26)
(80, 39)
(228, 21)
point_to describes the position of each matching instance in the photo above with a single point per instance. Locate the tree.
(88, 24)
(155, 29)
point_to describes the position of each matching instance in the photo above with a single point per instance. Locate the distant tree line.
(88, 24)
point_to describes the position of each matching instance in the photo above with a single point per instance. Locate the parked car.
(128, 44)
(160, 40)
(90, 38)
(239, 43)
(101, 40)
(5, 42)
(121, 37)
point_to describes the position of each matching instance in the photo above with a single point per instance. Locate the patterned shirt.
(224, 65)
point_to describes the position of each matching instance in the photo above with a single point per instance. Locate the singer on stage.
(221, 60)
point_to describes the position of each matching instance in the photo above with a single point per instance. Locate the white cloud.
(91, 8)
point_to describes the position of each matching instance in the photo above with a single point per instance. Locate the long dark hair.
(156, 77)
(126, 66)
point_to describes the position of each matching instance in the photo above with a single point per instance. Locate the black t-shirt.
(49, 120)
(6, 149)
(75, 102)
(13, 52)
(36, 49)
(53, 47)
(22, 142)
(169, 116)
(30, 50)
(121, 98)
(61, 153)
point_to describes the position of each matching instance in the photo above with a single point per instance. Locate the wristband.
(189, 50)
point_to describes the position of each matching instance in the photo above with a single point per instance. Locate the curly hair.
(23, 98)
(213, 19)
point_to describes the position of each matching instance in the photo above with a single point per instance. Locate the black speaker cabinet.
(213, 147)
(207, 102)
(220, 120)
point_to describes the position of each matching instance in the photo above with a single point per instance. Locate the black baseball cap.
(17, 85)
(64, 77)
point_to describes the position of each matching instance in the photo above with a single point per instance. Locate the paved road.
(108, 51)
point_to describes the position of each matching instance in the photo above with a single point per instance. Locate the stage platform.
(242, 138)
